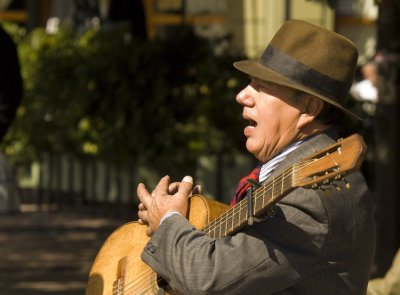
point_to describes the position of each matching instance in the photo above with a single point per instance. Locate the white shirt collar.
(268, 167)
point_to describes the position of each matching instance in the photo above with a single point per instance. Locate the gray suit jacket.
(317, 243)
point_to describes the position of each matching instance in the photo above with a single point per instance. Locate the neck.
(311, 129)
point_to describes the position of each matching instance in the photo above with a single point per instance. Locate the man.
(315, 243)
(10, 98)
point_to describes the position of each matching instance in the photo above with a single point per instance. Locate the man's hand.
(166, 197)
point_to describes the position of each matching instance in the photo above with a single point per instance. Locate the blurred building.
(250, 23)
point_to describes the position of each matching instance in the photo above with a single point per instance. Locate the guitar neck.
(323, 167)
(262, 199)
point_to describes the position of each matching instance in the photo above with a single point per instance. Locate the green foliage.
(107, 95)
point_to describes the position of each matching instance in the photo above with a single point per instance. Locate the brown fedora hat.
(308, 58)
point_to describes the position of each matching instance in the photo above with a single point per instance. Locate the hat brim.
(259, 71)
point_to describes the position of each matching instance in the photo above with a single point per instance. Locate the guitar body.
(118, 268)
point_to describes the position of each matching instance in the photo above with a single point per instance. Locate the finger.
(162, 185)
(143, 216)
(149, 231)
(185, 186)
(142, 207)
(143, 195)
(173, 188)
(197, 190)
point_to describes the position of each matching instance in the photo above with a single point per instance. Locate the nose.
(245, 97)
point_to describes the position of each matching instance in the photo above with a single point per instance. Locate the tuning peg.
(338, 187)
(338, 177)
(346, 183)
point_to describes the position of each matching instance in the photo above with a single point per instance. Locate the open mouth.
(252, 123)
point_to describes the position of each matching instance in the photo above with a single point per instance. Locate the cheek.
(270, 119)
(277, 124)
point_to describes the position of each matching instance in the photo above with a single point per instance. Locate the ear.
(311, 107)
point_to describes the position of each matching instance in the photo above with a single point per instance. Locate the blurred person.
(390, 283)
(10, 98)
(10, 82)
(366, 90)
(314, 243)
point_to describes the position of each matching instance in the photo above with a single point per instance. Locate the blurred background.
(99, 95)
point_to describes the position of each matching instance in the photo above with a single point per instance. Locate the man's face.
(273, 116)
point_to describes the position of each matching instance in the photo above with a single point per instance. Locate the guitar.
(118, 268)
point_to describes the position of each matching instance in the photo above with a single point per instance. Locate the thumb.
(185, 186)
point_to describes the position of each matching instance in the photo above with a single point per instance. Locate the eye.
(255, 85)
(267, 90)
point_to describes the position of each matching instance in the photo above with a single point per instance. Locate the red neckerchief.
(243, 185)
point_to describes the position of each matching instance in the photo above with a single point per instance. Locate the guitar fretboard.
(262, 199)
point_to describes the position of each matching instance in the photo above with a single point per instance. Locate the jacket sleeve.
(265, 258)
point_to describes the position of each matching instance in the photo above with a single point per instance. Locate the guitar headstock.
(331, 163)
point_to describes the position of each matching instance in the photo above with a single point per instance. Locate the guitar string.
(131, 289)
(230, 212)
(260, 193)
(134, 288)
(290, 171)
(141, 278)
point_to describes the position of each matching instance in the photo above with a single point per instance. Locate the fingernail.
(187, 179)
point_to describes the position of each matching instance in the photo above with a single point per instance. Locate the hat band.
(289, 67)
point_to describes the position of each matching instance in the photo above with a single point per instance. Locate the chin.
(255, 152)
